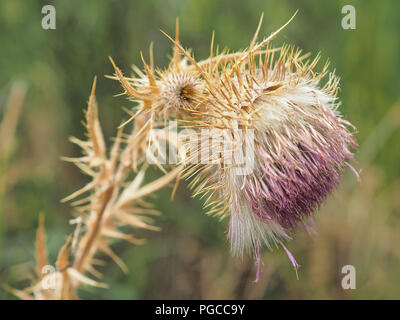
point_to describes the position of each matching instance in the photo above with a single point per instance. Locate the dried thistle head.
(300, 143)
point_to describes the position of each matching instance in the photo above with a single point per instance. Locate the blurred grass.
(190, 257)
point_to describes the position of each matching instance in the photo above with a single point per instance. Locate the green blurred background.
(189, 258)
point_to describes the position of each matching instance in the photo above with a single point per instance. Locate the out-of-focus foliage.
(190, 257)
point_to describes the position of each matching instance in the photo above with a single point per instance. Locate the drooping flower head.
(293, 144)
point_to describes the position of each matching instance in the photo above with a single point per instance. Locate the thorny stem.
(108, 197)
(110, 193)
(93, 232)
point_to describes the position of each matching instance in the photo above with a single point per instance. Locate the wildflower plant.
(263, 143)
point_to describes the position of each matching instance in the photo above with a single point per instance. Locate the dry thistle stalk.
(301, 144)
(110, 202)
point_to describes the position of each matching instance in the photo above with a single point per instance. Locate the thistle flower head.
(180, 92)
(300, 143)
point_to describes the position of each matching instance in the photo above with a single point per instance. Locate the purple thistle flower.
(301, 144)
